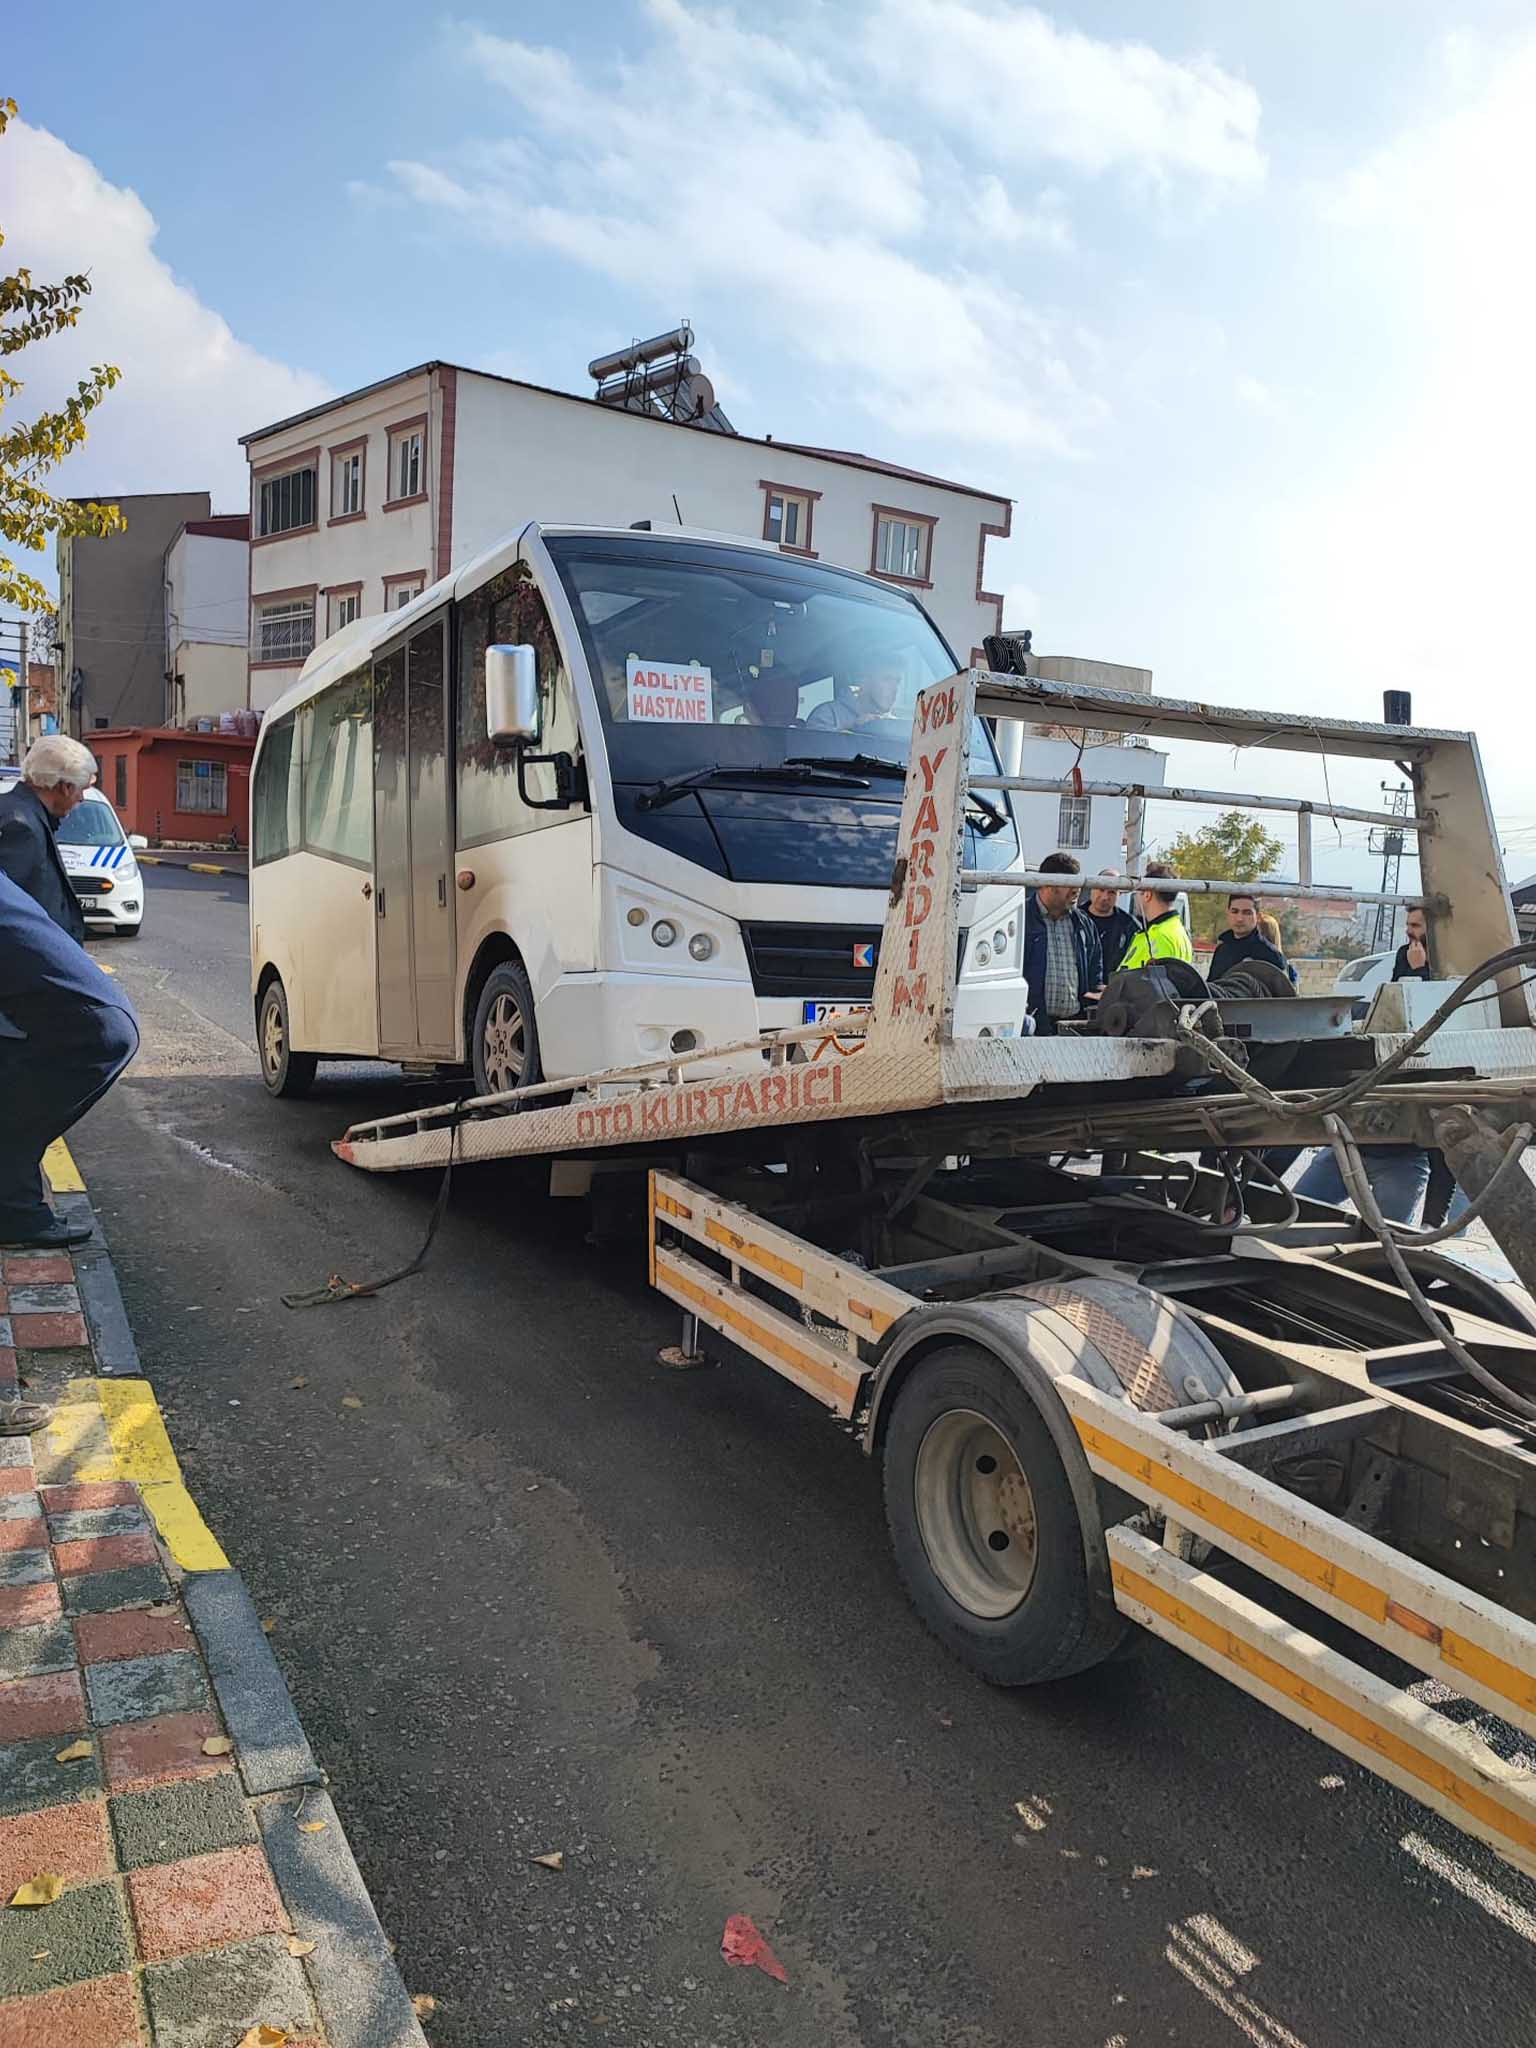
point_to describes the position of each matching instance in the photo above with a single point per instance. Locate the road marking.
(142, 1453)
(63, 1174)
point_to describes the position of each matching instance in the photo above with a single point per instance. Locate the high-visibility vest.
(1163, 939)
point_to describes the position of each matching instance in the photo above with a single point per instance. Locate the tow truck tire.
(504, 1038)
(285, 1072)
(986, 1536)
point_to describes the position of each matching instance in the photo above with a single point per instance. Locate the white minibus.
(597, 798)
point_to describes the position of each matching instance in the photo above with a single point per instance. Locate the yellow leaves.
(301, 1948)
(350, 1401)
(7, 114)
(38, 1891)
(217, 1745)
(76, 1753)
(268, 1626)
(264, 2036)
(423, 2005)
(313, 1827)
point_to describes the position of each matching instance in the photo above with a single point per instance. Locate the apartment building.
(357, 504)
(207, 578)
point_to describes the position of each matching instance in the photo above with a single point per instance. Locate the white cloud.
(1026, 88)
(190, 387)
(1254, 392)
(802, 179)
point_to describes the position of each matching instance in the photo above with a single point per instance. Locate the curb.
(193, 867)
(361, 1996)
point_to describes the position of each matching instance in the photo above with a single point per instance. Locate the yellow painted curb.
(63, 1174)
(142, 1453)
(197, 867)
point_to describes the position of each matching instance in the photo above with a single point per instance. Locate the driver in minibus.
(866, 701)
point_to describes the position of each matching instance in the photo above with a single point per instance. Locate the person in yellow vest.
(1162, 935)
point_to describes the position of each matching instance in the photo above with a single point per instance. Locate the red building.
(188, 788)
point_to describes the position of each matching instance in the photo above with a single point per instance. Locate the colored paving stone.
(23, 1532)
(204, 1902)
(208, 2001)
(104, 1553)
(15, 1450)
(84, 1933)
(72, 1840)
(41, 1706)
(16, 1478)
(139, 1687)
(49, 1332)
(29, 1269)
(25, 1567)
(77, 1525)
(44, 1298)
(6, 1337)
(175, 1821)
(27, 1652)
(139, 1754)
(134, 1632)
(26, 1606)
(101, 1592)
(111, 1493)
(17, 1504)
(32, 1776)
(101, 2014)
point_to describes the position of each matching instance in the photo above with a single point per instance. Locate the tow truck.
(1112, 1387)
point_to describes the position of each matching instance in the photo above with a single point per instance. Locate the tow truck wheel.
(504, 1037)
(285, 1072)
(987, 1539)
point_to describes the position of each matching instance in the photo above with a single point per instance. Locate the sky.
(1235, 301)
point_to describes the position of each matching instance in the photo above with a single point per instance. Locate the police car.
(98, 857)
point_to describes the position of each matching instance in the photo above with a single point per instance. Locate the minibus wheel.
(504, 1040)
(284, 1071)
(985, 1532)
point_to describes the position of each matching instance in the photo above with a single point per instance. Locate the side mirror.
(137, 839)
(511, 695)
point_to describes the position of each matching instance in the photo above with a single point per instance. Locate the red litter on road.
(745, 1948)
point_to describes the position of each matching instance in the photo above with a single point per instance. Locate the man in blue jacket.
(66, 1032)
(1063, 960)
(54, 778)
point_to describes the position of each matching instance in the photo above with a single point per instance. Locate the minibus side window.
(275, 800)
(338, 771)
(509, 610)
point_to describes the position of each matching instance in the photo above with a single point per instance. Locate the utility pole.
(1387, 840)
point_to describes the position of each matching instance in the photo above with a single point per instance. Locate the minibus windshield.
(708, 655)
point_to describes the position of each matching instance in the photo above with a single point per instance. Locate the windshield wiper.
(992, 819)
(824, 776)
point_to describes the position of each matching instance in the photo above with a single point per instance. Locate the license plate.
(822, 1013)
(90, 903)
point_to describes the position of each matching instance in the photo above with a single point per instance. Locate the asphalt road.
(536, 1593)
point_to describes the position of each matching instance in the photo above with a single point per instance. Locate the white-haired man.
(55, 775)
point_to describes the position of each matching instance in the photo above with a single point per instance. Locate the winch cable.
(337, 1288)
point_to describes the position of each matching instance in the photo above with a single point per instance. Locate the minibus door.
(413, 843)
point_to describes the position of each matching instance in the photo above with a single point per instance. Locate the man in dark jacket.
(54, 778)
(1242, 940)
(1063, 963)
(1411, 960)
(66, 1032)
(1116, 927)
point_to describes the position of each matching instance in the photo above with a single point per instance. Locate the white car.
(98, 857)
(1361, 978)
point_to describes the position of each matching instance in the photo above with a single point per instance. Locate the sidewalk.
(206, 860)
(157, 1794)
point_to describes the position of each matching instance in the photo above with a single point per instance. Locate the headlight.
(701, 945)
(999, 941)
(664, 932)
(636, 915)
(983, 953)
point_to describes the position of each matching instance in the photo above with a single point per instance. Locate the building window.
(903, 546)
(1072, 824)
(400, 590)
(202, 786)
(787, 517)
(286, 503)
(407, 462)
(347, 482)
(120, 781)
(284, 629)
(342, 607)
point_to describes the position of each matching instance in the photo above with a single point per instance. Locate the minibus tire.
(969, 1471)
(284, 1072)
(505, 984)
